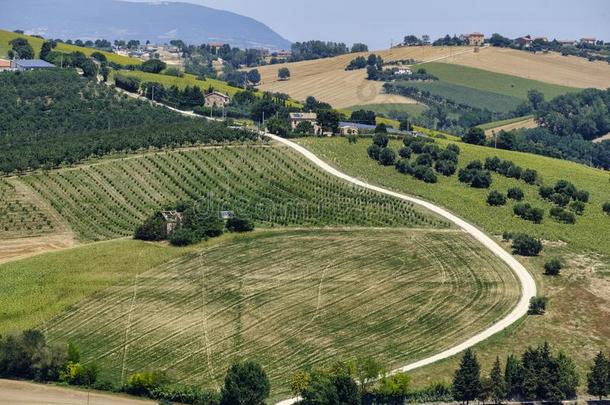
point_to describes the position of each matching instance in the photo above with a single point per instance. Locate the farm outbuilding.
(216, 99)
(5, 65)
(30, 64)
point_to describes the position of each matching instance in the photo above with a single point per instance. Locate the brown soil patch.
(14, 249)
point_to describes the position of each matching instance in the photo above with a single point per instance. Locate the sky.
(379, 22)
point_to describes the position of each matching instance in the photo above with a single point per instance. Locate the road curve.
(528, 285)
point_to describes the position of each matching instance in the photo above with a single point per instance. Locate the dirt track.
(25, 393)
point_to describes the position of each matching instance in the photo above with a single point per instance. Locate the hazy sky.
(377, 22)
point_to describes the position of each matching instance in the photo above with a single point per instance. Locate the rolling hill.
(158, 22)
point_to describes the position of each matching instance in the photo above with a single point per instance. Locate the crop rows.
(270, 184)
(19, 216)
(288, 300)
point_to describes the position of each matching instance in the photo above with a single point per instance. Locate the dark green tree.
(387, 157)
(283, 73)
(535, 98)
(153, 66)
(598, 379)
(498, 384)
(245, 384)
(467, 379)
(475, 136)
(254, 77)
(513, 377)
(45, 50)
(552, 267)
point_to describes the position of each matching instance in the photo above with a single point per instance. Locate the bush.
(130, 84)
(445, 167)
(81, 374)
(173, 71)
(529, 213)
(496, 198)
(404, 166)
(537, 306)
(387, 157)
(530, 176)
(405, 152)
(381, 128)
(515, 193)
(153, 66)
(552, 267)
(526, 245)
(475, 136)
(606, 208)
(577, 207)
(453, 148)
(373, 151)
(425, 174)
(565, 187)
(186, 394)
(474, 175)
(144, 384)
(448, 155)
(561, 215)
(424, 159)
(581, 196)
(559, 199)
(381, 140)
(183, 237)
(153, 229)
(545, 192)
(237, 224)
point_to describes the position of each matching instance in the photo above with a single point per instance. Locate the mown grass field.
(502, 123)
(579, 303)
(467, 95)
(34, 290)
(288, 300)
(488, 81)
(270, 184)
(7, 36)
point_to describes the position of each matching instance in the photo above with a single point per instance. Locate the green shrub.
(526, 245)
(425, 159)
(606, 208)
(561, 215)
(529, 213)
(245, 384)
(144, 384)
(495, 198)
(153, 229)
(425, 174)
(373, 151)
(237, 224)
(183, 237)
(453, 148)
(577, 207)
(582, 196)
(381, 140)
(552, 267)
(546, 192)
(153, 66)
(560, 199)
(81, 374)
(445, 167)
(387, 157)
(537, 306)
(515, 193)
(405, 152)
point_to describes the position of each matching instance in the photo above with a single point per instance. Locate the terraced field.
(287, 300)
(271, 184)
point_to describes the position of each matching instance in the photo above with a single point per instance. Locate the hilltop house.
(567, 42)
(30, 64)
(216, 99)
(587, 41)
(525, 41)
(312, 118)
(354, 128)
(476, 39)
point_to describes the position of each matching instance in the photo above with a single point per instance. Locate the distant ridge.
(158, 22)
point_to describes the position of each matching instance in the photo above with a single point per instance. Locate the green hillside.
(7, 36)
(287, 300)
(487, 81)
(272, 185)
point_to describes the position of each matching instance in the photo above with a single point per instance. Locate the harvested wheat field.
(552, 68)
(523, 124)
(328, 81)
(287, 300)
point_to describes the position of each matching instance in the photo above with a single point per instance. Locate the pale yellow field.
(528, 123)
(328, 81)
(552, 68)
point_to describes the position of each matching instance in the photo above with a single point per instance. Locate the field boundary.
(528, 285)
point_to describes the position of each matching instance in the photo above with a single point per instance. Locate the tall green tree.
(45, 50)
(598, 379)
(245, 384)
(498, 385)
(513, 376)
(283, 73)
(467, 379)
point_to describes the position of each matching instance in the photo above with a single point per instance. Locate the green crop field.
(34, 290)
(464, 94)
(577, 311)
(497, 83)
(273, 185)
(7, 36)
(288, 300)
(20, 214)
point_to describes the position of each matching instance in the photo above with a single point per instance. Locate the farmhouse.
(172, 219)
(476, 39)
(297, 118)
(567, 42)
(525, 41)
(587, 41)
(216, 99)
(30, 64)
(5, 65)
(349, 128)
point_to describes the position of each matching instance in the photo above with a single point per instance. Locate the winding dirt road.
(528, 285)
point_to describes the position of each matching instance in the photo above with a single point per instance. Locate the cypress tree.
(467, 379)
(498, 386)
(598, 379)
(513, 377)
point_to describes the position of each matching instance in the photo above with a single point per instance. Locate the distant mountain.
(158, 22)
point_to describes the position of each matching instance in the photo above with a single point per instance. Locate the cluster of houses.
(478, 39)
(20, 65)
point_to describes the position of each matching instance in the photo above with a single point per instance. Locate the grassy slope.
(271, 184)
(496, 124)
(576, 320)
(34, 290)
(484, 80)
(465, 94)
(412, 109)
(7, 36)
(287, 300)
